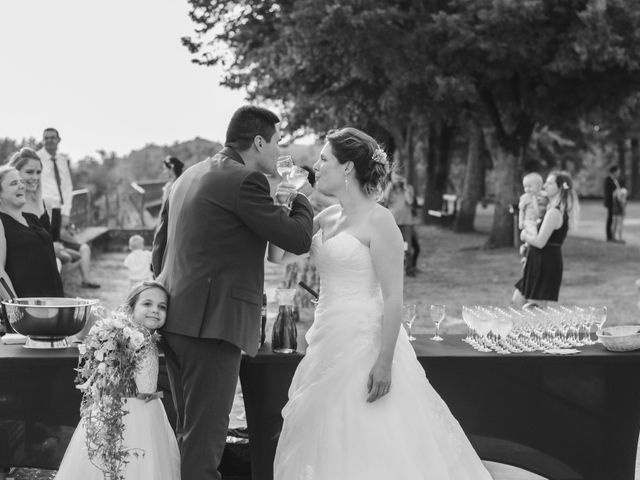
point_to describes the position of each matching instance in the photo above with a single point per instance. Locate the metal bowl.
(47, 321)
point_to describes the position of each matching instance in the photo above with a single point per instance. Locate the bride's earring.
(346, 182)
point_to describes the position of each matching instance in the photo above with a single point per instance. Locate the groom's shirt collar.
(232, 154)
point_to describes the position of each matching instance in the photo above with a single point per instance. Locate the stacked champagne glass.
(506, 330)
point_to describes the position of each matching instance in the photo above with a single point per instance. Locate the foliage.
(110, 356)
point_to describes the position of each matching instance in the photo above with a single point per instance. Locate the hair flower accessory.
(379, 156)
(565, 186)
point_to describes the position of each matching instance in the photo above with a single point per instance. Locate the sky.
(108, 74)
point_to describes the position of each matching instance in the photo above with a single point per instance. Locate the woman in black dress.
(27, 258)
(542, 276)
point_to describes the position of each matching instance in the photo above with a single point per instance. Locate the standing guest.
(138, 262)
(618, 210)
(27, 258)
(209, 251)
(611, 184)
(399, 198)
(57, 192)
(173, 167)
(542, 276)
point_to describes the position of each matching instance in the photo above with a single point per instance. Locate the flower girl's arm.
(387, 253)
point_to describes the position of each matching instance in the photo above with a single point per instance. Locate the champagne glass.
(408, 317)
(283, 165)
(297, 176)
(600, 316)
(437, 313)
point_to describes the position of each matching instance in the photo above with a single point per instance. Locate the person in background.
(542, 276)
(618, 210)
(399, 198)
(57, 193)
(27, 258)
(138, 262)
(174, 169)
(611, 184)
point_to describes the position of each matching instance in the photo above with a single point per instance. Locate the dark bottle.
(263, 320)
(285, 333)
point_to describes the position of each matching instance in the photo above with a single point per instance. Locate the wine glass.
(408, 317)
(283, 165)
(297, 176)
(437, 313)
(600, 316)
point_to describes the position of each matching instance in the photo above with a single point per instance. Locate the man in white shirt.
(57, 188)
(57, 192)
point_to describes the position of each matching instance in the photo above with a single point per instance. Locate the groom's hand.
(379, 382)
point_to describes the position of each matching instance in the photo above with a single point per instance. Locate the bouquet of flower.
(109, 357)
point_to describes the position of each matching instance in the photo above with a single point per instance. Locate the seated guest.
(29, 165)
(27, 258)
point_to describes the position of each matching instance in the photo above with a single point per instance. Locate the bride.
(360, 406)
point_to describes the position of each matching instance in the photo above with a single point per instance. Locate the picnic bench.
(447, 213)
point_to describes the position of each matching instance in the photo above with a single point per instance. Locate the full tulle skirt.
(148, 430)
(330, 432)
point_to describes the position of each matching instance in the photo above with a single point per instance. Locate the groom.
(209, 252)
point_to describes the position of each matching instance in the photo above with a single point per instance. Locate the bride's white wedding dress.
(330, 432)
(146, 428)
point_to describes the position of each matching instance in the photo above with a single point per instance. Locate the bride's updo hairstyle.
(369, 160)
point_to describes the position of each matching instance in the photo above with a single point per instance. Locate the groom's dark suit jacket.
(210, 247)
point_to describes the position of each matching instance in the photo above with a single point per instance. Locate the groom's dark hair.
(248, 122)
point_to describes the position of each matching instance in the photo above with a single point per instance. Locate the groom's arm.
(160, 241)
(290, 231)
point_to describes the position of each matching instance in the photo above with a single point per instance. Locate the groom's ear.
(258, 142)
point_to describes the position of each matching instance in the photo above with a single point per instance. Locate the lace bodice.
(146, 376)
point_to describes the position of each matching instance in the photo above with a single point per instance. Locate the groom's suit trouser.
(203, 374)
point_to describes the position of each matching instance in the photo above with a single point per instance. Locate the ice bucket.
(48, 321)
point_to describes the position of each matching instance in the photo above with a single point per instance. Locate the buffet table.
(564, 417)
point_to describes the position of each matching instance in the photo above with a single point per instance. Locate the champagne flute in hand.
(408, 317)
(437, 315)
(297, 176)
(283, 165)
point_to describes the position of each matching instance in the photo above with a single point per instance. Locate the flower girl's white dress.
(330, 432)
(146, 428)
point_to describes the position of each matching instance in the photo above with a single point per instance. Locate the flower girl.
(123, 433)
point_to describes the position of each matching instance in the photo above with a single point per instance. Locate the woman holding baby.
(542, 275)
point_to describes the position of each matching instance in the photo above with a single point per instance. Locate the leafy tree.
(537, 62)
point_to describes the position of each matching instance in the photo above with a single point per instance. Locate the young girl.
(119, 368)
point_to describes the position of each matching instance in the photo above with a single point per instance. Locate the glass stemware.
(437, 313)
(283, 165)
(297, 176)
(409, 313)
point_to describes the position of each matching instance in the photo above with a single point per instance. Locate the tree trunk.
(621, 158)
(634, 186)
(438, 159)
(472, 188)
(432, 201)
(506, 169)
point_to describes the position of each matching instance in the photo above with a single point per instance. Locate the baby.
(138, 262)
(531, 206)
